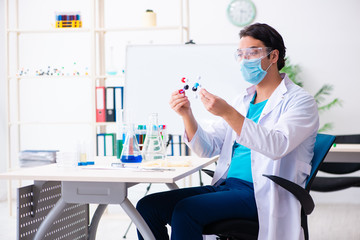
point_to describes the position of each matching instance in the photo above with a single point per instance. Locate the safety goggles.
(251, 53)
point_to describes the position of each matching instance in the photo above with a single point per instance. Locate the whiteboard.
(153, 72)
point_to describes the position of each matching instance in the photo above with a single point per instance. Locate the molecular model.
(53, 71)
(195, 87)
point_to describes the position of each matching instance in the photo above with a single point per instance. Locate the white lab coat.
(281, 144)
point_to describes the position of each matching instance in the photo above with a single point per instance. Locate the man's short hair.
(269, 36)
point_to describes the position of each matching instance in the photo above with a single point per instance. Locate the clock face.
(241, 12)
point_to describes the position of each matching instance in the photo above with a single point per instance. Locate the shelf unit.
(97, 74)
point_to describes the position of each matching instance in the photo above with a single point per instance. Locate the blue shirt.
(240, 166)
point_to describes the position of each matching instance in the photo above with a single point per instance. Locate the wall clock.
(241, 12)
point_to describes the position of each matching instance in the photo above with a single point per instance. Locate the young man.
(270, 129)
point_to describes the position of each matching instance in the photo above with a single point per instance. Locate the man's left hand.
(214, 104)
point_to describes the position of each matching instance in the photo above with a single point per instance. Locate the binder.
(100, 104)
(170, 147)
(114, 143)
(110, 104)
(177, 146)
(110, 144)
(185, 150)
(119, 102)
(100, 144)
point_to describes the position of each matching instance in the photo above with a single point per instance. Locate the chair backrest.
(323, 144)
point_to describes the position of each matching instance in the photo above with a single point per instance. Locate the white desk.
(102, 186)
(344, 153)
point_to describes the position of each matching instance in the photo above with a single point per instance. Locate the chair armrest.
(208, 172)
(300, 193)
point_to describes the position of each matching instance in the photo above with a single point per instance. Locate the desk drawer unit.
(94, 192)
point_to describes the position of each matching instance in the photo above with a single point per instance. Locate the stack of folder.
(109, 102)
(31, 158)
(106, 144)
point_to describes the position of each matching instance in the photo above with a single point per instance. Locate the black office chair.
(244, 229)
(330, 184)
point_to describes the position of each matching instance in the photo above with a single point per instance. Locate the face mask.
(251, 70)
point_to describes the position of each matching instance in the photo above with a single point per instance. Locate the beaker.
(154, 147)
(131, 151)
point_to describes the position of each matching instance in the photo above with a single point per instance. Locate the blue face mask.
(251, 70)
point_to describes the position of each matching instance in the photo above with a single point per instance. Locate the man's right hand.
(180, 103)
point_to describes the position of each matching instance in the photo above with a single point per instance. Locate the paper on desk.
(135, 168)
(157, 165)
(167, 163)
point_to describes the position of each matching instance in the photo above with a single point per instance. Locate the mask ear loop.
(268, 67)
(270, 63)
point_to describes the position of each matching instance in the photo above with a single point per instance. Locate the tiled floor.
(328, 221)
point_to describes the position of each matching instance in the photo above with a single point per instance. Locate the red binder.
(100, 104)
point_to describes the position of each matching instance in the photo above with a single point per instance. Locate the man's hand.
(180, 103)
(214, 104)
(220, 107)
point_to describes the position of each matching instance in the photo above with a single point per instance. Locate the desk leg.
(49, 220)
(137, 219)
(95, 221)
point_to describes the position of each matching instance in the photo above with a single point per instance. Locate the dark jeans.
(188, 210)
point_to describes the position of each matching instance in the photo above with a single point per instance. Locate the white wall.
(2, 102)
(321, 36)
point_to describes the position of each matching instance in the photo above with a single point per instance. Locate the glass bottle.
(119, 133)
(154, 148)
(111, 68)
(131, 151)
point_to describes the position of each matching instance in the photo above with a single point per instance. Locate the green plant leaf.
(292, 71)
(328, 106)
(326, 127)
(326, 89)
